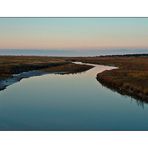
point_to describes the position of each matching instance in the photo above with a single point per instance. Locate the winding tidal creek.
(69, 102)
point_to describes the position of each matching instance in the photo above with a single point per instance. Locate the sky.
(73, 33)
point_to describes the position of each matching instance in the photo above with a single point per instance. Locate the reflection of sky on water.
(74, 52)
(68, 102)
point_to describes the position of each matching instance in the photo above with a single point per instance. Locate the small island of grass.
(11, 67)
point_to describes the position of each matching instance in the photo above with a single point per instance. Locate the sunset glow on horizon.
(73, 33)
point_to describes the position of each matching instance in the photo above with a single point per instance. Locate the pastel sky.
(72, 33)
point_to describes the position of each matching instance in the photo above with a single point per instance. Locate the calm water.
(69, 102)
(76, 52)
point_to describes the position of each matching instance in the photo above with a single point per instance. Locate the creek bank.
(64, 68)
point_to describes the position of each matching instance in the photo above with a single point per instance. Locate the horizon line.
(101, 48)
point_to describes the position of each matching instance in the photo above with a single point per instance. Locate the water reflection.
(68, 102)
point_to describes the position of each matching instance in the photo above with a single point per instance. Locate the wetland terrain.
(74, 93)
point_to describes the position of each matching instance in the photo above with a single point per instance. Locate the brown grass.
(131, 78)
(16, 64)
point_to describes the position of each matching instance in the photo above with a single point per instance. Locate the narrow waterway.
(69, 102)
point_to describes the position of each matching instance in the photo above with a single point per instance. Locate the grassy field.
(10, 65)
(131, 77)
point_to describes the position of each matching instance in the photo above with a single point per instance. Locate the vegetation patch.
(131, 77)
(12, 65)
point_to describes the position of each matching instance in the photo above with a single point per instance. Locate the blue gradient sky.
(73, 33)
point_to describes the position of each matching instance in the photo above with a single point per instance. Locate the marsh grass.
(130, 78)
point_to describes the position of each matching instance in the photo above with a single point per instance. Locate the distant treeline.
(125, 55)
